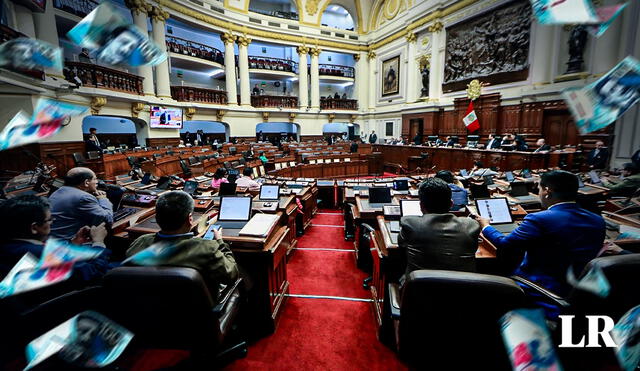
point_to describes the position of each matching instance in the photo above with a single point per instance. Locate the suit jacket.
(494, 144)
(373, 138)
(599, 160)
(73, 208)
(563, 236)
(626, 188)
(439, 241)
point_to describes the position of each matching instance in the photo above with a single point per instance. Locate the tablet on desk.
(269, 192)
(498, 212)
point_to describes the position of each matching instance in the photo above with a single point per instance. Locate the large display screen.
(165, 118)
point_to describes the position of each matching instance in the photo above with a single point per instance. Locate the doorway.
(416, 126)
(559, 129)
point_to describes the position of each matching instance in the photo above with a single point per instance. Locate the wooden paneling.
(161, 142)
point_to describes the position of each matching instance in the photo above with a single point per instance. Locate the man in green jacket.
(629, 184)
(213, 259)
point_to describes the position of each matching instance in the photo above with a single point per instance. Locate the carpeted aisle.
(323, 333)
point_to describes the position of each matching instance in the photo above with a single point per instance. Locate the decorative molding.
(228, 38)
(96, 104)
(436, 27)
(189, 112)
(314, 52)
(424, 61)
(265, 116)
(411, 37)
(136, 108)
(158, 14)
(292, 116)
(352, 118)
(331, 116)
(356, 57)
(220, 114)
(243, 40)
(138, 6)
(302, 50)
(371, 55)
(311, 6)
(474, 89)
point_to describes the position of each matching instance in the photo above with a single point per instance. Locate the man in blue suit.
(562, 236)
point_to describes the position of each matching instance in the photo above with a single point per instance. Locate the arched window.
(337, 16)
(112, 131)
(210, 131)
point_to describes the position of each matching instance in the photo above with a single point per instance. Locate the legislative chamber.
(335, 185)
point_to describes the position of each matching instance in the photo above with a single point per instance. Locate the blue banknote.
(600, 103)
(606, 16)
(29, 54)
(88, 340)
(626, 335)
(114, 40)
(155, 254)
(593, 281)
(564, 11)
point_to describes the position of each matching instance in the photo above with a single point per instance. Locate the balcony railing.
(200, 95)
(332, 103)
(102, 77)
(277, 13)
(194, 49)
(273, 64)
(77, 7)
(6, 34)
(274, 101)
(336, 70)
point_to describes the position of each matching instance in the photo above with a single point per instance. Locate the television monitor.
(165, 118)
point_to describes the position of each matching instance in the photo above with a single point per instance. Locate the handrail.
(336, 70)
(274, 64)
(93, 75)
(332, 103)
(277, 14)
(194, 49)
(81, 8)
(274, 101)
(201, 95)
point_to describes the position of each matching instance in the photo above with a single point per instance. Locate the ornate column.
(413, 80)
(303, 77)
(140, 10)
(230, 68)
(315, 77)
(163, 83)
(243, 62)
(24, 20)
(373, 83)
(437, 58)
(362, 84)
(45, 27)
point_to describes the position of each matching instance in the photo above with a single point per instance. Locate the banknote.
(29, 54)
(626, 335)
(528, 341)
(59, 252)
(564, 11)
(87, 340)
(606, 16)
(600, 103)
(115, 40)
(593, 281)
(152, 255)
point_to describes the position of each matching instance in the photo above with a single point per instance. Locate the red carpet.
(325, 238)
(329, 219)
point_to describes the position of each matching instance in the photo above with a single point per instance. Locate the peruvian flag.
(470, 119)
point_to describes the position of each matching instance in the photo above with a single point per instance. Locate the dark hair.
(219, 173)
(630, 166)
(247, 171)
(173, 209)
(77, 177)
(18, 213)
(92, 129)
(445, 175)
(563, 184)
(435, 195)
(477, 163)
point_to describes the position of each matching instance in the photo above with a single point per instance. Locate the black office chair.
(349, 226)
(242, 161)
(363, 254)
(226, 164)
(186, 171)
(478, 190)
(133, 161)
(79, 159)
(171, 307)
(439, 313)
(201, 158)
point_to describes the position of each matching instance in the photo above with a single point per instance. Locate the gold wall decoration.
(315, 51)
(220, 114)
(243, 40)
(302, 50)
(138, 6)
(159, 14)
(96, 104)
(332, 116)
(312, 6)
(371, 55)
(136, 108)
(352, 118)
(474, 89)
(265, 116)
(356, 57)
(228, 38)
(411, 37)
(437, 26)
(424, 61)
(292, 116)
(189, 112)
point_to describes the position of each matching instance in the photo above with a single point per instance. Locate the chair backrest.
(226, 164)
(242, 161)
(78, 158)
(193, 160)
(184, 167)
(442, 312)
(163, 306)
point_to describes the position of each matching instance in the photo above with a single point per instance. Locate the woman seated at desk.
(218, 178)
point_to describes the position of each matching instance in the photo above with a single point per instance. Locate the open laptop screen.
(379, 195)
(235, 208)
(269, 192)
(595, 179)
(519, 189)
(410, 208)
(228, 189)
(495, 209)
(401, 185)
(190, 186)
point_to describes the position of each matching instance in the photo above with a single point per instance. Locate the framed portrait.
(391, 76)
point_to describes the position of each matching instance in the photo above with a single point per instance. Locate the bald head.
(82, 178)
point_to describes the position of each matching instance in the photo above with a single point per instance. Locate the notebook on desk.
(259, 225)
(498, 212)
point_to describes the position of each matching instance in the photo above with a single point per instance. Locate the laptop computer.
(227, 189)
(401, 185)
(145, 181)
(509, 176)
(235, 212)
(410, 208)
(190, 186)
(593, 176)
(115, 195)
(498, 212)
(379, 196)
(488, 181)
(520, 192)
(269, 192)
(479, 190)
(163, 184)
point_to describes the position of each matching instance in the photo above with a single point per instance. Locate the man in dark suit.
(417, 140)
(598, 157)
(93, 143)
(354, 147)
(553, 240)
(373, 138)
(542, 146)
(78, 203)
(494, 142)
(438, 239)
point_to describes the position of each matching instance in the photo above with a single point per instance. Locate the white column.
(139, 11)
(436, 68)
(373, 83)
(606, 48)
(24, 19)
(163, 83)
(303, 77)
(45, 27)
(230, 68)
(243, 63)
(541, 63)
(361, 83)
(315, 77)
(414, 81)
